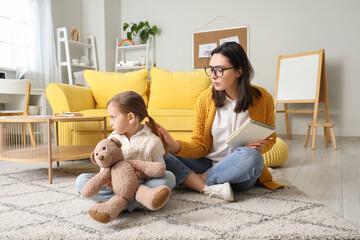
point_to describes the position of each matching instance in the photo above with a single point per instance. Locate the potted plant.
(141, 29)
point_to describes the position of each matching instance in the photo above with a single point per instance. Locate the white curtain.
(45, 68)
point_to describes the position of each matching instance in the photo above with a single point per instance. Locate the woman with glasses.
(206, 163)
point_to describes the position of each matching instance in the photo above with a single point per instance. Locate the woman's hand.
(258, 145)
(170, 143)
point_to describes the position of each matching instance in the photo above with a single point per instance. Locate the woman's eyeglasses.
(219, 71)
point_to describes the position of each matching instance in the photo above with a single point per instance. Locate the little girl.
(126, 111)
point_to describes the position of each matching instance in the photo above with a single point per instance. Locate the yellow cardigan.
(201, 138)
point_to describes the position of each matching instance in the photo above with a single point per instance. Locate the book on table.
(248, 132)
(68, 114)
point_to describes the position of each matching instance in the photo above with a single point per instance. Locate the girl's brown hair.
(132, 102)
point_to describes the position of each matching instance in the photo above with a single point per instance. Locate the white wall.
(67, 13)
(93, 23)
(277, 27)
(113, 30)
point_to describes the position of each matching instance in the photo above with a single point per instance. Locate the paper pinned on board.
(230, 39)
(205, 49)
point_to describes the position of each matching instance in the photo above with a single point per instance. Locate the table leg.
(56, 126)
(56, 132)
(105, 128)
(1, 138)
(49, 151)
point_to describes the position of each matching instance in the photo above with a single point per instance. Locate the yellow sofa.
(170, 99)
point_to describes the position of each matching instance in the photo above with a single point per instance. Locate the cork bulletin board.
(214, 36)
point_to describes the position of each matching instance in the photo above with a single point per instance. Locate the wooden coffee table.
(19, 149)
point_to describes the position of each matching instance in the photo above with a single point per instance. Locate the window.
(17, 34)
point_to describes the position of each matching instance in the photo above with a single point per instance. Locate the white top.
(226, 121)
(144, 145)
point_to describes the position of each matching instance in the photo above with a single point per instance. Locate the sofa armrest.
(69, 98)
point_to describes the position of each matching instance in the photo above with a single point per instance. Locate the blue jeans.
(105, 194)
(241, 168)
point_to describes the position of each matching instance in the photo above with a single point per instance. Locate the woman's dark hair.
(238, 59)
(132, 102)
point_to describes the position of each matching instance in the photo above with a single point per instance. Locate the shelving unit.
(65, 44)
(146, 50)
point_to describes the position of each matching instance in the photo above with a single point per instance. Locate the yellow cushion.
(176, 90)
(277, 155)
(173, 119)
(105, 85)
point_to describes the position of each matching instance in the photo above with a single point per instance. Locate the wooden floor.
(330, 176)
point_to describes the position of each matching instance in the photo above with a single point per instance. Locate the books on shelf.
(68, 114)
(248, 132)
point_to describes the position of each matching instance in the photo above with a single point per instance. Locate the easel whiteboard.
(298, 77)
(301, 78)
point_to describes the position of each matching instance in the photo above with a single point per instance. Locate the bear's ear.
(117, 141)
(92, 158)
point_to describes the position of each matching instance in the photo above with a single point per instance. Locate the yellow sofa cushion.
(173, 119)
(176, 90)
(105, 85)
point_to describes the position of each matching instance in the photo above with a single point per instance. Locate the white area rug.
(30, 208)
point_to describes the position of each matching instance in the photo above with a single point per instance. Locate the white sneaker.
(223, 191)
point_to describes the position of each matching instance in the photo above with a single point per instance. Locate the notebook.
(249, 131)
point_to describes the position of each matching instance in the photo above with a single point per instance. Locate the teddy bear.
(108, 155)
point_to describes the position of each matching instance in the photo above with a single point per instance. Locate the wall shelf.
(123, 54)
(89, 51)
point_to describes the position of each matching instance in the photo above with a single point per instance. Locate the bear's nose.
(100, 157)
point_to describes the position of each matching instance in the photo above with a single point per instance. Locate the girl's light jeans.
(105, 194)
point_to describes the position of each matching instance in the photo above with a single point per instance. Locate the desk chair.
(20, 87)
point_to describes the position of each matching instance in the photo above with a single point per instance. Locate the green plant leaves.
(129, 35)
(155, 29)
(144, 35)
(125, 26)
(142, 28)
